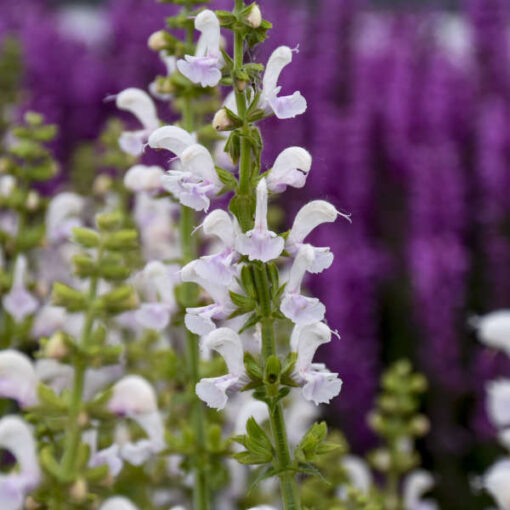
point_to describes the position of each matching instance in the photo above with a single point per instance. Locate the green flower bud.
(253, 18)
(86, 237)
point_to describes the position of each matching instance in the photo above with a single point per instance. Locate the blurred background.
(408, 126)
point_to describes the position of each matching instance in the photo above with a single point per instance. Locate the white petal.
(498, 402)
(288, 107)
(62, 207)
(198, 160)
(202, 70)
(494, 330)
(117, 503)
(48, 320)
(137, 453)
(171, 138)
(110, 457)
(17, 378)
(143, 178)
(321, 386)
(188, 190)
(214, 390)
(199, 321)
(227, 343)
(209, 42)
(358, 472)
(303, 261)
(309, 217)
(302, 310)
(132, 395)
(416, 484)
(260, 245)
(132, 142)
(140, 104)
(251, 409)
(153, 316)
(220, 224)
(290, 168)
(280, 58)
(308, 340)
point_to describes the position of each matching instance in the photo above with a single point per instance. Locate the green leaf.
(263, 474)
(227, 178)
(251, 321)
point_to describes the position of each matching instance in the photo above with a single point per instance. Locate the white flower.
(19, 303)
(133, 397)
(496, 483)
(196, 181)
(7, 185)
(494, 329)
(110, 456)
(301, 310)
(48, 320)
(358, 473)
(319, 384)
(205, 66)
(17, 378)
(290, 168)
(283, 107)
(498, 402)
(200, 320)
(141, 105)
(171, 66)
(156, 284)
(17, 438)
(307, 219)
(260, 243)
(63, 215)
(219, 266)
(117, 503)
(214, 391)
(144, 178)
(416, 484)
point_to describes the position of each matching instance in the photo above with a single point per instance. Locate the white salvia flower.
(416, 484)
(319, 384)
(7, 185)
(48, 320)
(19, 303)
(117, 503)
(214, 391)
(290, 168)
(309, 217)
(196, 181)
(301, 310)
(144, 178)
(17, 378)
(107, 456)
(285, 107)
(494, 329)
(171, 66)
(156, 282)
(220, 266)
(260, 243)
(133, 397)
(200, 320)
(205, 66)
(63, 215)
(358, 473)
(141, 105)
(498, 402)
(17, 438)
(495, 481)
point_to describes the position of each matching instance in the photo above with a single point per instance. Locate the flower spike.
(260, 243)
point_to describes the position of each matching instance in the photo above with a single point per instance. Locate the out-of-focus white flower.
(17, 378)
(494, 329)
(17, 438)
(284, 107)
(196, 181)
(7, 185)
(19, 303)
(309, 217)
(290, 168)
(319, 384)
(63, 215)
(141, 105)
(48, 320)
(110, 456)
(260, 243)
(495, 481)
(144, 178)
(205, 66)
(117, 503)
(133, 397)
(200, 320)
(301, 310)
(416, 484)
(156, 283)
(358, 473)
(214, 391)
(498, 402)
(171, 66)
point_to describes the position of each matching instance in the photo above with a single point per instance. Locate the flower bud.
(33, 200)
(157, 41)
(254, 17)
(56, 347)
(78, 490)
(381, 459)
(102, 184)
(420, 425)
(221, 121)
(83, 419)
(31, 504)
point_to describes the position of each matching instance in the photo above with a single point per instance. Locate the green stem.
(72, 438)
(289, 489)
(201, 491)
